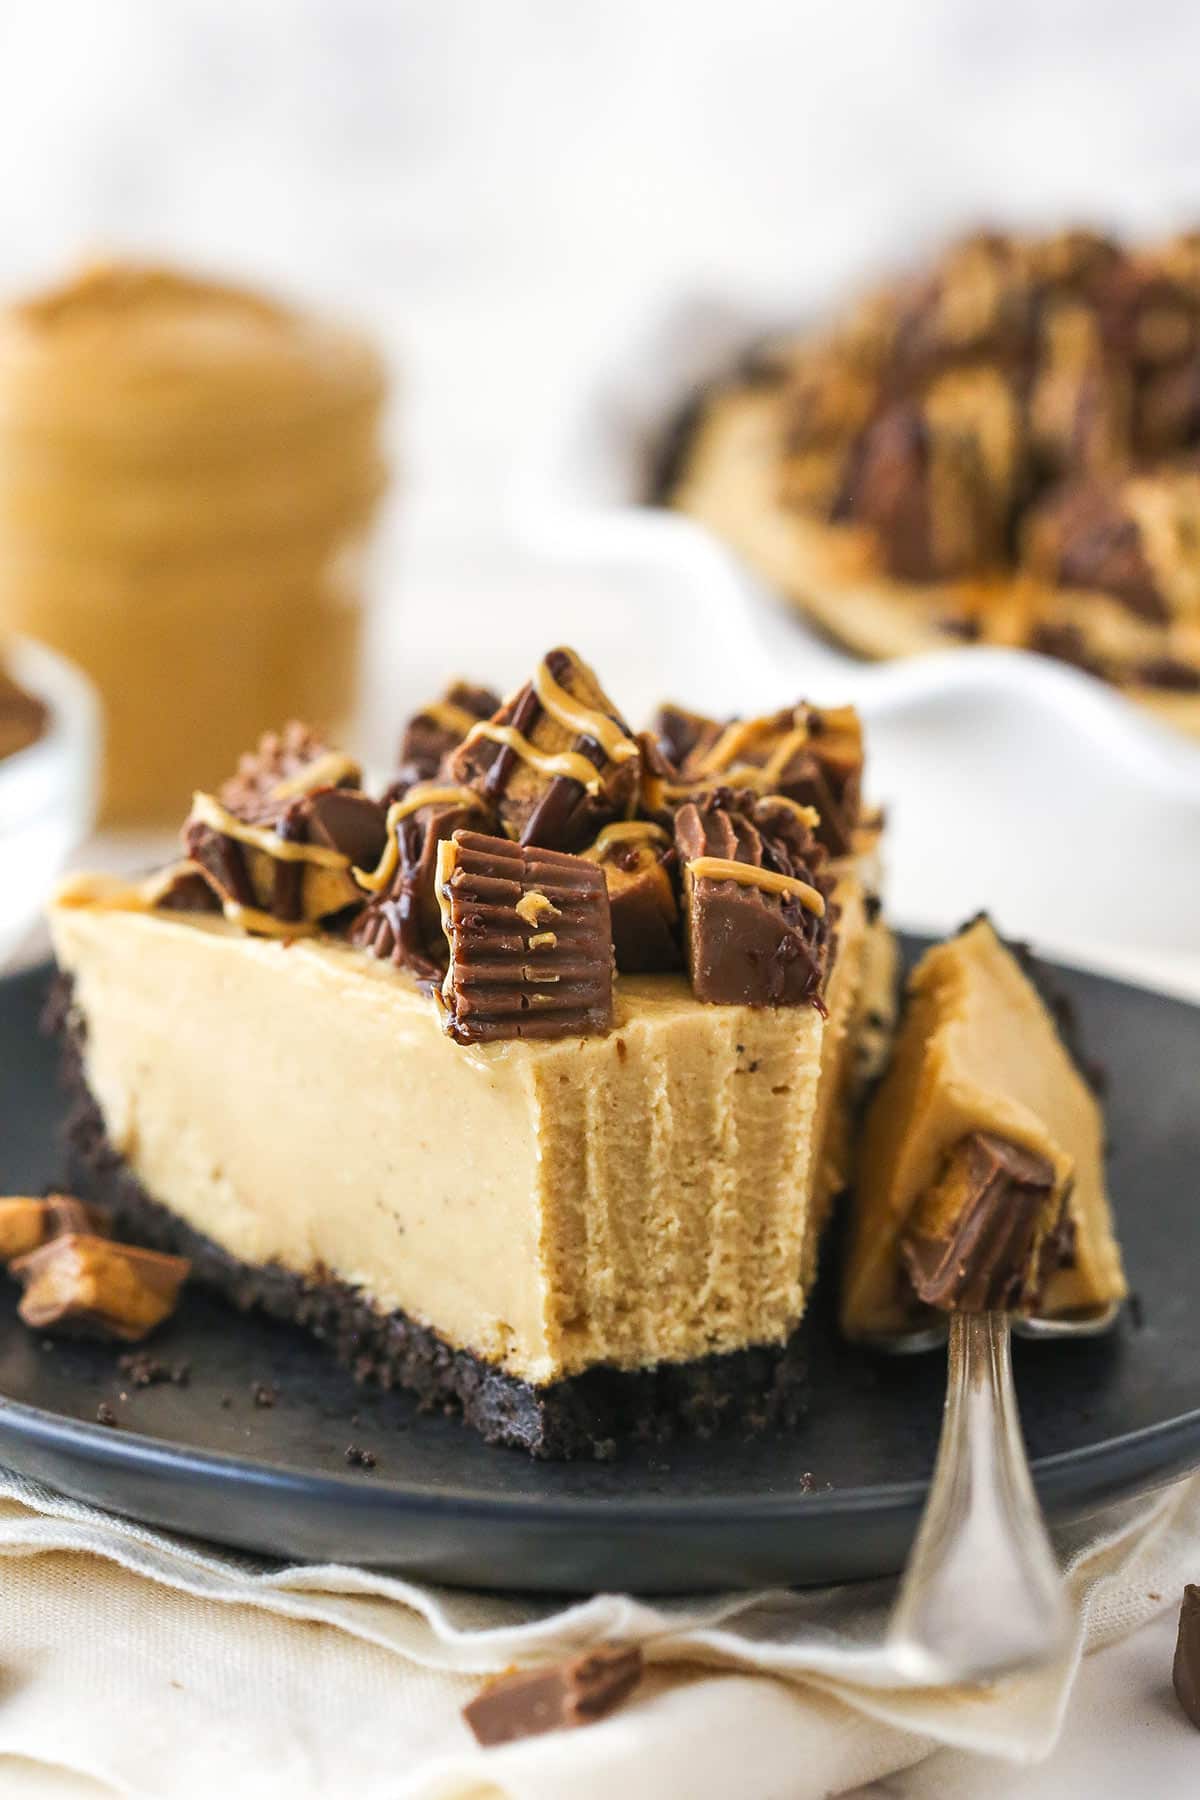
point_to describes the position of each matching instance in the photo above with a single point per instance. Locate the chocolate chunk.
(1076, 261)
(679, 734)
(990, 1232)
(440, 727)
(886, 488)
(1186, 1670)
(756, 913)
(83, 1285)
(346, 820)
(966, 627)
(530, 938)
(1065, 642)
(1168, 411)
(1169, 674)
(978, 300)
(183, 887)
(280, 841)
(935, 478)
(403, 920)
(284, 765)
(576, 1691)
(1085, 537)
(358, 1458)
(557, 762)
(1150, 316)
(26, 1223)
(1079, 407)
(811, 757)
(638, 861)
(23, 718)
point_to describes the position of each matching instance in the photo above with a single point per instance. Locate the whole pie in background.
(1004, 449)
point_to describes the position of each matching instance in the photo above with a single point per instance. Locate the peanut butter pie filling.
(526, 1083)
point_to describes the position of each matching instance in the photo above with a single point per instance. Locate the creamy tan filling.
(639, 1197)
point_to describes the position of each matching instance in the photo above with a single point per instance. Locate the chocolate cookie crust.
(756, 1390)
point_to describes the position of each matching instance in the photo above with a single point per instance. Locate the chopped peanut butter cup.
(936, 478)
(530, 940)
(1104, 537)
(88, 1286)
(557, 761)
(282, 766)
(1185, 1671)
(990, 1232)
(576, 1691)
(403, 920)
(801, 754)
(757, 923)
(441, 726)
(638, 861)
(26, 1222)
(280, 840)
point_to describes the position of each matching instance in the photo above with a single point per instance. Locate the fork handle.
(981, 1592)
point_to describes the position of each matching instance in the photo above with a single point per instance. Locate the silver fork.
(981, 1593)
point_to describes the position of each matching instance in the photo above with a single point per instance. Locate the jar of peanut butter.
(188, 473)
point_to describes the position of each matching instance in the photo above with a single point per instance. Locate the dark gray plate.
(837, 1501)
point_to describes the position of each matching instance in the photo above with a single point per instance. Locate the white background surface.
(505, 189)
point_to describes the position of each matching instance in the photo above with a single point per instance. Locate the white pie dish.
(1014, 783)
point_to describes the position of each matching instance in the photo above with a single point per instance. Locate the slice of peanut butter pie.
(525, 1084)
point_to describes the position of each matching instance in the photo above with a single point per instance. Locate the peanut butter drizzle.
(265, 924)
(325, 771)
(584, 720)
(625, 831)
(209, 811)
(807, 815)
(735, 738)
(143, 896)
(449, 716)
(722, 868)
(761, 781)
(122, 896)
(430, 793)
(425, 793)
(559, 762)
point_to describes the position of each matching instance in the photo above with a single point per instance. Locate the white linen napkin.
(158, 1666)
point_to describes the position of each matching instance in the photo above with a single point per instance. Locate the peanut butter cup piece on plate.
(88, 1286)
